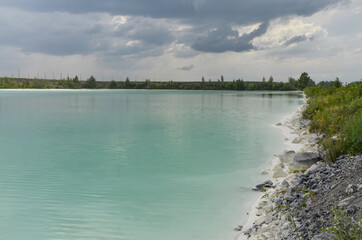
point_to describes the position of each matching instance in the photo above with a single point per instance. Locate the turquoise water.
(134, 164)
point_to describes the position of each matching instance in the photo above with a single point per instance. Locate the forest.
(91, 83)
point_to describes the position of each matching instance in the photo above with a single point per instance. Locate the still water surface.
(133, 165)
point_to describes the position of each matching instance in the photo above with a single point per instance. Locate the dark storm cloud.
(225, 39)
(237, 10)
(211, 24)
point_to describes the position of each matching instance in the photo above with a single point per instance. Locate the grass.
(344, 228)
(336, 112)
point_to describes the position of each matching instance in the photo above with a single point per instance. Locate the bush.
(352, 135)
(344, 228)
(336, 111)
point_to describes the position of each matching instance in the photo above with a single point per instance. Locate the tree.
(113, 85)
(222, 78)
(305, 81)
(91, 83)
(203, 82)
(126, 83)
(270, 83)
(239, 84)
(337, 83)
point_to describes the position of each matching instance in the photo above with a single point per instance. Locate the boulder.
(263, 186)
(287, 156)
(279, 173)
(276, 168)
(312, 169)
(302, 161)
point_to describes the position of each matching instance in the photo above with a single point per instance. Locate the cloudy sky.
(182, 40)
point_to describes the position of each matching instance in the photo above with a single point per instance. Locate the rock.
(248, 231)
(265, 172)
(278, 124)
(285, 183)
(325, 155)
(351, 188)
(311, 169)
(297, 140)
(269, 219)
(260, 221)
(268, 184)
(352, 209)
(268, 208)
(276, 168)
(345, 202)
(313, 138)
(287, 156)
(237, 229)
(333, 186)
(323, 236)
(279, 173)
(307, 123)
(261, 204)
(262, 186)
(335, 137)
(302, 161)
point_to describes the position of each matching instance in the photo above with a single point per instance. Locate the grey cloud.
(83, 32)
(186, 68)
(68, 34)
(37, 34)
(155, 36)
(256, 10)
(297, 39)
(225, 39)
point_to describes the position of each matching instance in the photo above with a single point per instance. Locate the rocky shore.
(299, 202)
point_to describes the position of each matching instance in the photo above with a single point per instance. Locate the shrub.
(336, 111)
(344, 227)
(352, 135)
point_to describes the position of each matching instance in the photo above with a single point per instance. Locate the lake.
(134, 164)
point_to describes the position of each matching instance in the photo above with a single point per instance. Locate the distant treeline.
(74, 83)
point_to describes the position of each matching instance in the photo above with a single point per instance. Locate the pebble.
(294, 199)
(352, 209)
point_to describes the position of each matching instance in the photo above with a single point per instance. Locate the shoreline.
(291, 130)
(287, 126)
(305, 192)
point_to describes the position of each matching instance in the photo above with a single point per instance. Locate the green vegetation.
(344, 227)
(220, 84)
(336, 111)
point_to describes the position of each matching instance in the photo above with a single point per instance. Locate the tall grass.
(337, 113)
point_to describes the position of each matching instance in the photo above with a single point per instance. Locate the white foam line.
(287, 124)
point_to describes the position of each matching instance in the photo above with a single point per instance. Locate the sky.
(181, 40)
